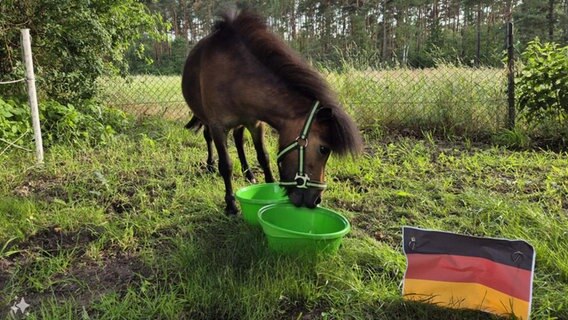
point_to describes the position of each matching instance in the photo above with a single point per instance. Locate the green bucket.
(290, 229)
(256, 196)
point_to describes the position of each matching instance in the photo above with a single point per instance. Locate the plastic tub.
(290, 229)
(256, 196)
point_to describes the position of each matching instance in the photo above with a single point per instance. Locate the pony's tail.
(194, 124)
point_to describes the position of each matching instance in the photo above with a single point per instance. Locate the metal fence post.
(30, 77)
(510, 76)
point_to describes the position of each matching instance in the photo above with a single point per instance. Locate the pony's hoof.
(231, 208)
(249, 176)
(208, 167)
(231, 211)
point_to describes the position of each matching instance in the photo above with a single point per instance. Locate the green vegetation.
(74, 42)
(89, 124)
(372, 33)
(543, 90)
(123, 221)
(135, 229)
(543, 84)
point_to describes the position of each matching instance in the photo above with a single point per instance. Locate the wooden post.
(30, 77)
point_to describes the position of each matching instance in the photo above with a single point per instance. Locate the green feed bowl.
(256, 196)
(290, 229)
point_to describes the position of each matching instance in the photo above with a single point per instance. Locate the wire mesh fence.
(459, 99)
(146, 95)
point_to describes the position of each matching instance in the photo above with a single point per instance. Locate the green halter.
(302, 180)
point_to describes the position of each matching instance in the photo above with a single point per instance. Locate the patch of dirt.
(86, 279)
(54, 238)
(120, 206)
(4, 275)
(297, 309)
(45, 187)
(114, 273)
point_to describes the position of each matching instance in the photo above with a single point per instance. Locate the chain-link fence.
(451, 97)
(146, 95)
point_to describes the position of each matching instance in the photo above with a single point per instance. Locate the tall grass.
(447, 99)
(145, 95)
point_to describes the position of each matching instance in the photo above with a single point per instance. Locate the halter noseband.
(301, 180)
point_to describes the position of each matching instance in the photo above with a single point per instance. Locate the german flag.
(464, 272)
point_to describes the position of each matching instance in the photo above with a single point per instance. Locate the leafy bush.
(543, 83)
(73, 42)
(14, 121)
(144, 59)
(91, 124)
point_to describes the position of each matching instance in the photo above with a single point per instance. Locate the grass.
(448, 99)
(135, 229)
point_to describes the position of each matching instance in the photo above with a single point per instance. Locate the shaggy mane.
(284, 62)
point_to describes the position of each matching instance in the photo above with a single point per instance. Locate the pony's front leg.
(219, 136)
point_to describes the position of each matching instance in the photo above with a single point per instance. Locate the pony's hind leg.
(208, 140)
(238, 134)
(219, 136)
(257, 133)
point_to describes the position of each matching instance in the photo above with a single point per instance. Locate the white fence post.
(26, 44)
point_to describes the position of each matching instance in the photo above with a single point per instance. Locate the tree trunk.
(508, 14)
(293, 20)
(185, 22)
(550, 20)
(419, 30)
(385, 30)
(566, 17)
(175, 22)
(478, 42)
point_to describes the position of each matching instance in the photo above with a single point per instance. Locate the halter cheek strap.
(302, 180)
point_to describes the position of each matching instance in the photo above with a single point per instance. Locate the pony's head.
(306, 147)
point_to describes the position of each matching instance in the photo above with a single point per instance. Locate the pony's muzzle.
(305, 197)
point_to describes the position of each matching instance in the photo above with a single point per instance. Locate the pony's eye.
(324, 150)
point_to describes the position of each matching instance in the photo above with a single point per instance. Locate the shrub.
(14, 121)
(543, 83)
(91, 124)
(73, 42)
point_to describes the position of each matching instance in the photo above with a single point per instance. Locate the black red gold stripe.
(458, 271)
(515, 253)
(462, 295)
(512, 281)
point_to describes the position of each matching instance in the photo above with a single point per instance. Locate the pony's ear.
(324, 114)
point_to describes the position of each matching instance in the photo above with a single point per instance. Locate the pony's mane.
(290, 67)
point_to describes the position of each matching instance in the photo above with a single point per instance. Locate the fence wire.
(458, 99)
(13, 81)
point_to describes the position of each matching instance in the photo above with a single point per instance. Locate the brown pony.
(242, 75)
